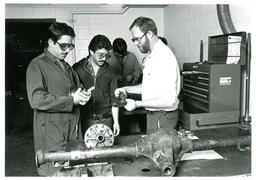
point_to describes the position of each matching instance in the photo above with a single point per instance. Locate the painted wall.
(91, 20)
(113, 26)
(187, 24)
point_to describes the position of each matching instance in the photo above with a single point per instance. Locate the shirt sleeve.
(38, 95)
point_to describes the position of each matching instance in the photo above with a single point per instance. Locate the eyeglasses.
(102, 55)
(138, 39)
(65, 46)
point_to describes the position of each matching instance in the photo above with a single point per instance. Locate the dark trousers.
(166, 120)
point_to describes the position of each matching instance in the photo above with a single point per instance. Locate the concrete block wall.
(112, 25)
(89, 21)
(187, 24)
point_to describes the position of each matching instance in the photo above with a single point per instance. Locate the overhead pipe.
(122, 10)
(225, 20)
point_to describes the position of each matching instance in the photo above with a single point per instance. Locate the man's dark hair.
(57, 29)
(145, 24)
(98, 42)
(120, 46)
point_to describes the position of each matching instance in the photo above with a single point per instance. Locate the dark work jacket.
(55, 117)
(105, 84)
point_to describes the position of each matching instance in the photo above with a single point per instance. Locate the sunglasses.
(138, 39)
(65, 46)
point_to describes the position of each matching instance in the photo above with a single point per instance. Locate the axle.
(164, 149)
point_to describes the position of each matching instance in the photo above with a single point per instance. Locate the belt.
(154, 112)
(100, 116)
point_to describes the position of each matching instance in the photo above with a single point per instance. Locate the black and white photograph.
(128, 88)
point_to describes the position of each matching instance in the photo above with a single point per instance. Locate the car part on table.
(165, 149)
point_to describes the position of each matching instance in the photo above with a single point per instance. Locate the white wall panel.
(113, 26)
(90, 24)
(201, 21)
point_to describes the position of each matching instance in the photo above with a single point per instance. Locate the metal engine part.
(98, 135)
(121, 100)
(164, 149)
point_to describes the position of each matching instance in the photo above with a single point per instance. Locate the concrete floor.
(19, 154)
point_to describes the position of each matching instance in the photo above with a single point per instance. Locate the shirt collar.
(156, 48)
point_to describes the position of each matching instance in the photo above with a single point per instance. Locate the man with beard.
(54, 93)
(161, 78)
(93, 71)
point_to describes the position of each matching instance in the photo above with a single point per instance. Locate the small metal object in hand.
(121, 100)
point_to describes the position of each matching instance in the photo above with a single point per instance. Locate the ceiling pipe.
(225, 20)
(122, 10)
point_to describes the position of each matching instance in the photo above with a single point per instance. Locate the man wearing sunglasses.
(125, 64)
(55, 95)
(93, 71)
(161, 78)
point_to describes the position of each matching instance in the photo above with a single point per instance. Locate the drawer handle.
(198, 125)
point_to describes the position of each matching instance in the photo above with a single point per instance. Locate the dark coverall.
(56, 119)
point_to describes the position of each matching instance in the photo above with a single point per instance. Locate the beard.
(145, 47)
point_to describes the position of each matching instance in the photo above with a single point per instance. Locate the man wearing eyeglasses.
(161, 78)
(55, 94)
(93, 71)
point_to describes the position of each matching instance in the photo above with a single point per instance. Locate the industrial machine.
(211, 90)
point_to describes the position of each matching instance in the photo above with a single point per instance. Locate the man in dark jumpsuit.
(93, 71)
(125, 63)
(54, 93)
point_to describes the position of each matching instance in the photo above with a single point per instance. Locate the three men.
(55, 91)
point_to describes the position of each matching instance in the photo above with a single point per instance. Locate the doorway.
(24, 40)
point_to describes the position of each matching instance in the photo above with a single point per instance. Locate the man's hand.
(119, 91)
(131, 105)
(80, 97)
(129, 78)
(91, 89)
(88, 94)
(116, 128)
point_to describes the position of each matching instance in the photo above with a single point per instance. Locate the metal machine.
(211, 90)
(165, 149)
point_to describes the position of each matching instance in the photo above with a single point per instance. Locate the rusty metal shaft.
(218, 143)
(86, 154)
